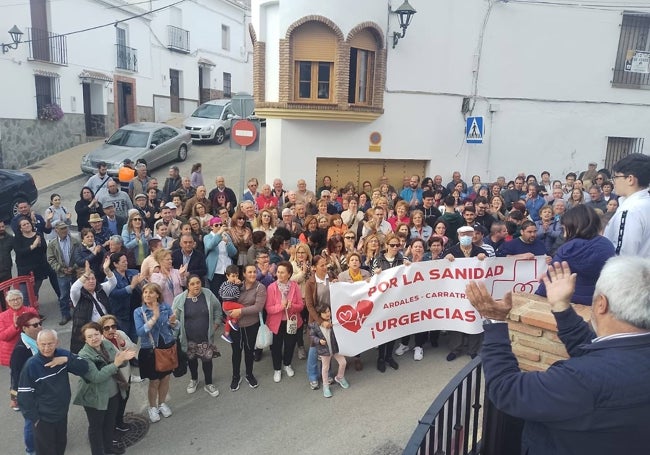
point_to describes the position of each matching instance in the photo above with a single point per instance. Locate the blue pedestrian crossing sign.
(474, 130)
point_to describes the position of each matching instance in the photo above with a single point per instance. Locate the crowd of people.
(152, 265)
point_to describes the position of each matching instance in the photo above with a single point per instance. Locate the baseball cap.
(140, 195)
(171, 205)
(215, 220)
(463, 229)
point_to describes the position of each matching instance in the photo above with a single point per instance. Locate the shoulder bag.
(166, 358)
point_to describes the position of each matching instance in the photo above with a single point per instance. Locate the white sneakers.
(401, 349)
(191, 387)
(212, 390)
(277, 375)
(287, 369)
(164, 410)
(418, 353)
(154, 415)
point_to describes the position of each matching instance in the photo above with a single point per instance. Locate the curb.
(54, 186)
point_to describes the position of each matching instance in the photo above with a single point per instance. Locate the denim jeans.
(28, 434)
(65, 282)
(313, 372)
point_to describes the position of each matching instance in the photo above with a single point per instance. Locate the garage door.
(343, 171)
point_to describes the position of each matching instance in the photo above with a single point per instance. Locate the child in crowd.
(323, 339)
(229, 293)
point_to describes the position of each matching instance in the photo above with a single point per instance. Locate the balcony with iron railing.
(462, 420)
(47, 46)
(179, 39)
(127, 58)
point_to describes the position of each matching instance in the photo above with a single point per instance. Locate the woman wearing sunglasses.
(136, 235)
(122, 342)
(386, 260)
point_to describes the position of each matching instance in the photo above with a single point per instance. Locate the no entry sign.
(243, 133)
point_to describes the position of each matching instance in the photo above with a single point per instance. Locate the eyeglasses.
(216, 224)
(34, 325)
(599, 178)
(614, 177)
(107, 328)
(394, 245)
(349, 237)
(137, 219)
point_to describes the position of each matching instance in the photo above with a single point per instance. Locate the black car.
(15, 187)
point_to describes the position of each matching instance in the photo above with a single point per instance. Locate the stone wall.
(533, 332)
(24, 141)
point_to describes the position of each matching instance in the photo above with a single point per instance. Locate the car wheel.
(182, 153)
(219, 136)
(14, 206)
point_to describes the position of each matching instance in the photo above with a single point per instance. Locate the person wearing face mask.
(463, 342)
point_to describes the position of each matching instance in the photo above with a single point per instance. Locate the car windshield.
(129, 138)
(208, 111)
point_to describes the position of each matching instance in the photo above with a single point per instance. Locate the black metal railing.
(453, 423)
(127, 58)
(635, 30)
(47, 46)
(179, 39)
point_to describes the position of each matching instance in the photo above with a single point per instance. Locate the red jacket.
(9, 333)
(275, 312)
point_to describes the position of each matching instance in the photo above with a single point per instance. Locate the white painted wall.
(95, 50)
(544, 69)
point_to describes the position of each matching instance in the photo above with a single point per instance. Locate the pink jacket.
(9, 333)
(274, 312)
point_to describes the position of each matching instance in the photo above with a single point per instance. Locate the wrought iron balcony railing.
(127, 58)
(179, 39)
(47, 46)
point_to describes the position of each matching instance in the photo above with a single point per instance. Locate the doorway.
(124, 100)
(174, 90)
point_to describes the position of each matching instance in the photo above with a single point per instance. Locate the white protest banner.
(423, 296)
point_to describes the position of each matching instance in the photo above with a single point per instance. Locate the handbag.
(292, 323)
(264, 335)
(165, 358)
(181, 369)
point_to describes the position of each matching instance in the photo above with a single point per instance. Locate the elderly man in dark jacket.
(597, 402)
(44, 392)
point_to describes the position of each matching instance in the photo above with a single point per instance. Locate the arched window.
(363, 51)
(314, 54)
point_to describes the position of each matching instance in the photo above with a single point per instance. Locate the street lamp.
(405, 14)
(16, 36)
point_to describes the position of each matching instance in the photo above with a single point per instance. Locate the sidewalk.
(67, 164)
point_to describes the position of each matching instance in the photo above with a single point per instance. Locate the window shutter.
(314, 42)
(364, 40)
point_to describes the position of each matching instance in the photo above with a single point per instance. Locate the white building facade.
(557, 84)
(106, 63)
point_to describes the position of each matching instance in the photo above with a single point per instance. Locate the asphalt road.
(376, 415)
(216, 160)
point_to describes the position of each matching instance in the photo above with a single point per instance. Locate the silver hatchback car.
(210, 121)
(156, 143)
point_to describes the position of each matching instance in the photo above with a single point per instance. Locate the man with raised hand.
(597, 401)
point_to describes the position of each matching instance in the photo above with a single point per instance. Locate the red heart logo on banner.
(353, 318)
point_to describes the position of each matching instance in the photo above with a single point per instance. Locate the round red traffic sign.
(244, 133)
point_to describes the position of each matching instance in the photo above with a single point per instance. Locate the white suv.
(210, 121)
